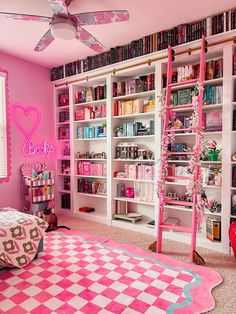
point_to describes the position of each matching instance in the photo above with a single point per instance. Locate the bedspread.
(20, 235)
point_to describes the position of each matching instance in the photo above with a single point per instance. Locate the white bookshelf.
(105, 204)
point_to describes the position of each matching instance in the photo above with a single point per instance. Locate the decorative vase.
(232, 237)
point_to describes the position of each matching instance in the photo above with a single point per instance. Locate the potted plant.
(213, 151)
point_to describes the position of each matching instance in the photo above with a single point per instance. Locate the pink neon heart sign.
(27, 119)
(31, 116)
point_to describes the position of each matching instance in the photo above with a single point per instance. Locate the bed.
(21, 237)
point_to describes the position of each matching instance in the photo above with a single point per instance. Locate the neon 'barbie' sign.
(32, 114)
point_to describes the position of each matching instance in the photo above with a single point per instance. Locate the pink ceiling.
(146, 16)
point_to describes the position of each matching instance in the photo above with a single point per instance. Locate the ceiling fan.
(68, 26)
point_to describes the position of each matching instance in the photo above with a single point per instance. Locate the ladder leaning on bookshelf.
(168, 140)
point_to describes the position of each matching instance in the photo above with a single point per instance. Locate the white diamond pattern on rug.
(74, 275)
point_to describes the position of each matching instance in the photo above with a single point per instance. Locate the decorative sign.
(33, 115)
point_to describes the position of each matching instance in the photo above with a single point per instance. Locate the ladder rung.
(181, 203)
(179, 153)
(183, 83)
(176, 228)
(179, 130)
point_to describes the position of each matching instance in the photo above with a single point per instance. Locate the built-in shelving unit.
(106, 204)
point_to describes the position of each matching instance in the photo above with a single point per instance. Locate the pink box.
(86, 168)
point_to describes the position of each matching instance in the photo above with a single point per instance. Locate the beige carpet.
(224, 294)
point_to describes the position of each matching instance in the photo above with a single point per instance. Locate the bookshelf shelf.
(207, 82)
(63, 108)
(138, 115)
(214, 214)
(133, 180)
(132, 200)
(181, 208)
(63, 158)
(213, 133)
(92, 177)
(64, 191)
(135, 95)
(63, 123)
(212, 187)
(95, 102)
(205, 108)
(105, 204)
(91, 195)
(90, 120)
(91, 139)
(132, 137)
(135, 160)
(90, 159)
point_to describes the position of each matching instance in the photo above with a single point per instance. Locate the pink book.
(147, 172)
(94, 170)
(132, 172)
(104, 110)
(86, 168)
(126, 170)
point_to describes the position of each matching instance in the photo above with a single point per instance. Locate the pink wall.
(29, 85)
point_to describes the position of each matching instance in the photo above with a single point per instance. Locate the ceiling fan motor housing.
(63, 27)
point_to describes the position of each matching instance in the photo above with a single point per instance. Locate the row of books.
(92, 187)
(136, 85)
(142, 191)
(90, 112)
(212, 121)
(213, 70)
(64, 133)
(64, 116)
(90, 94)
(178, 35)
(67, 184)
(65, 201)
(65, 167)
(88, 168)
(213, 94)
(138, 171)
(135, 129)
(178, 171)
(91, 132)
(43, 191)
(142, 105)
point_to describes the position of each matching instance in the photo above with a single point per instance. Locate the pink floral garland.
(195, 182)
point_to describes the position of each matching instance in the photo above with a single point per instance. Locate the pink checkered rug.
(78, 273)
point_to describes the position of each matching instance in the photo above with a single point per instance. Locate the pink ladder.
(195, 153)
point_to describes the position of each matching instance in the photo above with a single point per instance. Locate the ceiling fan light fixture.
(64, 30)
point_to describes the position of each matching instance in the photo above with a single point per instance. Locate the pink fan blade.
(59, 6)
(102, 17)
(87, 39)
(44, 41)
(25, 17)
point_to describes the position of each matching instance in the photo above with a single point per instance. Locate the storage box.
(213, 229)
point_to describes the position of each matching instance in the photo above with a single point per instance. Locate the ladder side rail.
(198, 134)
